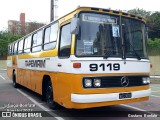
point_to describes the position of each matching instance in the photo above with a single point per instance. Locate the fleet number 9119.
(104, 67)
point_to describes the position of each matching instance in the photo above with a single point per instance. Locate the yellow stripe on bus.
(50, 53)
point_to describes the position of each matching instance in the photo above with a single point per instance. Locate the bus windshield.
(134, 36)
(103, 35)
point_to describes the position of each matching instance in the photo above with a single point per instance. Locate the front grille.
(116, 81)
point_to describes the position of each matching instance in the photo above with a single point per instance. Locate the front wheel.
(50, 97)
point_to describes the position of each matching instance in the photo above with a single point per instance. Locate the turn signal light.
(151, 65)
(76, 65)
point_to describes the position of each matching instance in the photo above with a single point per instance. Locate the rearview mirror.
(75, 26)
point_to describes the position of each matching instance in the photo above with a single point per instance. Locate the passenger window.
(65, 41)
(34, 42)
(9, 50)
(47, 35)
(37, 41)
(27, 44)
(54, 32)
(15, 48)
(12, 49)
(39, 37)
(20, 47)
(50, 37)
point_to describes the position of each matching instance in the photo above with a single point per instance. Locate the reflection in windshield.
(98, 38)
(99, 35)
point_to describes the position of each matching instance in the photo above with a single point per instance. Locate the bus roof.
(92, 9)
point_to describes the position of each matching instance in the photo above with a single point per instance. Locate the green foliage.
(152, 21)
(154, 46)
(5, 39)
(140, 12)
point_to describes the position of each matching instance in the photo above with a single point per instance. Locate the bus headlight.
(88, 82)
(97, 82)
(146, 80)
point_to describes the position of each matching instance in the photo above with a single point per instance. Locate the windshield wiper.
(138, 57)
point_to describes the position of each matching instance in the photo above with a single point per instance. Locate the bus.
(91, 57)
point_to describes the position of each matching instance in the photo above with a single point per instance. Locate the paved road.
(22, 99)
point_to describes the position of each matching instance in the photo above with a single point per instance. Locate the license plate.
(125, 95)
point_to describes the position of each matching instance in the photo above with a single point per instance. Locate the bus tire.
(50, 97)
(15, 84)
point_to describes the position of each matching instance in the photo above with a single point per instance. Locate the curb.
(3, 69)
(155, 77)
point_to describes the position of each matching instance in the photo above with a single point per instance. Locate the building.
(22, 27)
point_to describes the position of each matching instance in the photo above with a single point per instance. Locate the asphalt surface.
(23, 104)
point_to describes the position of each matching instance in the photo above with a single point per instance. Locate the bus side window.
(9, 50)
(47, 33)
(50, 37)
(65, 42)
(27, 44)
(12, 53)
(15, 48)
(20, 47)
(37, 41)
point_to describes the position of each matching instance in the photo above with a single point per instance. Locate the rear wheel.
(15, 84)
(50, 96)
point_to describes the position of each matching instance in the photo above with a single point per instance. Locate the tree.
(140, 12)
(15, 27)
(5, 39)
(32, 26)
(153, 22)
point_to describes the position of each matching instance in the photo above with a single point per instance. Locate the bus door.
(63, 62)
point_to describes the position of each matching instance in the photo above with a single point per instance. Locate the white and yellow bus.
(91, 57)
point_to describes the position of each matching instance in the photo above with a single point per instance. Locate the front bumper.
(92, 98)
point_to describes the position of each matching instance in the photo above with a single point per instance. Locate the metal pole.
(52, 11)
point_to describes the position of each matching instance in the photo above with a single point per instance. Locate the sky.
(39, 10)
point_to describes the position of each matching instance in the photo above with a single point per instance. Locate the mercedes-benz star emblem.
(124, 81)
